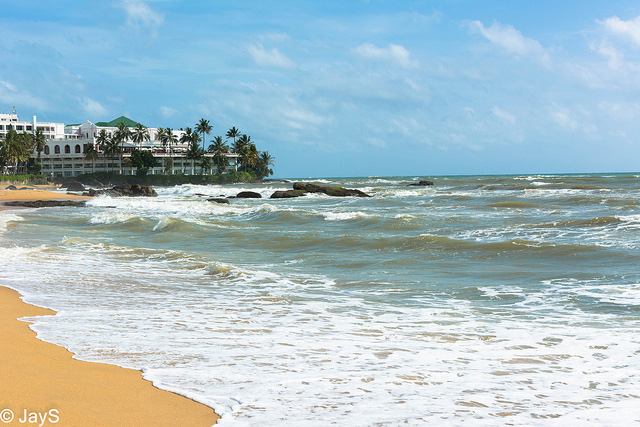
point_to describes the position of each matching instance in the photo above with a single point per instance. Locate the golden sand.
(42, 378)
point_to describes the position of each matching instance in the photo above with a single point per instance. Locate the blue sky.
(346, 88)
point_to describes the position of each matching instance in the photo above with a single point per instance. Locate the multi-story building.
(64, 153)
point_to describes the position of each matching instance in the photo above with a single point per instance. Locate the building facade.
(64, 153)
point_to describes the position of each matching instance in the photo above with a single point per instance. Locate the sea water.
(484, 300)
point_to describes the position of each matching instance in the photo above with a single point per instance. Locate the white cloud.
(168, 112)
(563, 118)
(503, 115)
(10, 95)
(512, 41)
(139, 14)
(301, 119)
(626, 29)
(393, 53)
(606, 49)
(93, 108)
(269, 57)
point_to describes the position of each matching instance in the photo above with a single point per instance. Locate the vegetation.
(166, 180)
(17, 152)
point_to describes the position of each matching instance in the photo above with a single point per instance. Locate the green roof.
(115, 122)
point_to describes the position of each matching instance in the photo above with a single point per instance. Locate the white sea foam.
(6, 219)
(344, 216)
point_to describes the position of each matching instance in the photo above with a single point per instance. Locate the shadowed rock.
(329, 191)
(423, 183)
(11, 187)
(248, 195)
(127, 190)
(218, 200)
(45, 203)
(287, 194)
(75, 186)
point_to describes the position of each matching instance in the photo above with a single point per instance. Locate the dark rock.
(270, 180)
(11, 187)
(287, 194)
(75, 186)
(45, 203)
(94, 183)
(248, 195)
(26, 188)
(423, 183)
(218, 200)
(127, 190)
(329, 191)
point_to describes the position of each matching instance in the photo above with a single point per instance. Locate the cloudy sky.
(346, 88)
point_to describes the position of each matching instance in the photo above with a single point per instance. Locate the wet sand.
(39, 377)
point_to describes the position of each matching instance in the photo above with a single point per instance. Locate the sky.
(346, 88)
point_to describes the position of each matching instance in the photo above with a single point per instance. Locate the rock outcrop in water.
(287, 194)
(422, 183)
(221, 200)
(44, 203)
(248, 195)
(329, 191)
(74, 186)
(126, 190)
(11, 187)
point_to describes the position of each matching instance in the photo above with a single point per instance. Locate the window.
(46, 149)
(29, 127)
(77, 148)
(56, 149)
(19, 127)
(67, 149)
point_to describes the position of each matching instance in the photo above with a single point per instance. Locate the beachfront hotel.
(64, 153)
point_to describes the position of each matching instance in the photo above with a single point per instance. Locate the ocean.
(483, 300)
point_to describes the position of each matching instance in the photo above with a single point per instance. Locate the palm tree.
(90, 153)
(171, 139)
(194, 152)
(241, 143)
(111, 149)
(16, 148)
(161, 136)
(39, 143)
(120, 136)
(218, 148)
(233, 133)
(205, 164)
(140, 135)
(264, 161)
(204, 127)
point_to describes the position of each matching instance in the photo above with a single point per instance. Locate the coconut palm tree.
(112, 149)
(161, 135)
(205, 164)
(39, 142)
(120, 136)
(264, 161)
(194, 152)
(140, 134)
(171, 139)
(242, 142)
(233, 133)
(90, 153)
(16, 148)
(204, 127)
(218, 148)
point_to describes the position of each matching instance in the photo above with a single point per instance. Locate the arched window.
(67, 149)
(56, 149)
(46, 149)
(77, 148)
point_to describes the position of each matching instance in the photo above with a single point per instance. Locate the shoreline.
(43, 378)
(35, 194)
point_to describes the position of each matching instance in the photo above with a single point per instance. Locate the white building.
(64, 153)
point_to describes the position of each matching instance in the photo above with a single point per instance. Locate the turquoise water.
(487, 299)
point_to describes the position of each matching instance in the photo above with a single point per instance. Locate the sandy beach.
(35, 194)
(42, 378)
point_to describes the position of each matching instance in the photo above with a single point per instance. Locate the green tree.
(233, 133)
(264, 161)
(140, 134)
(205, 164)
(111, 150)
(204, 127)
(162, 137)
(171, 139)
(39, 142)
(90, 153)
(16, 148)
(219, 148)
(120, 136)
(142, 161)
(194, 153)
